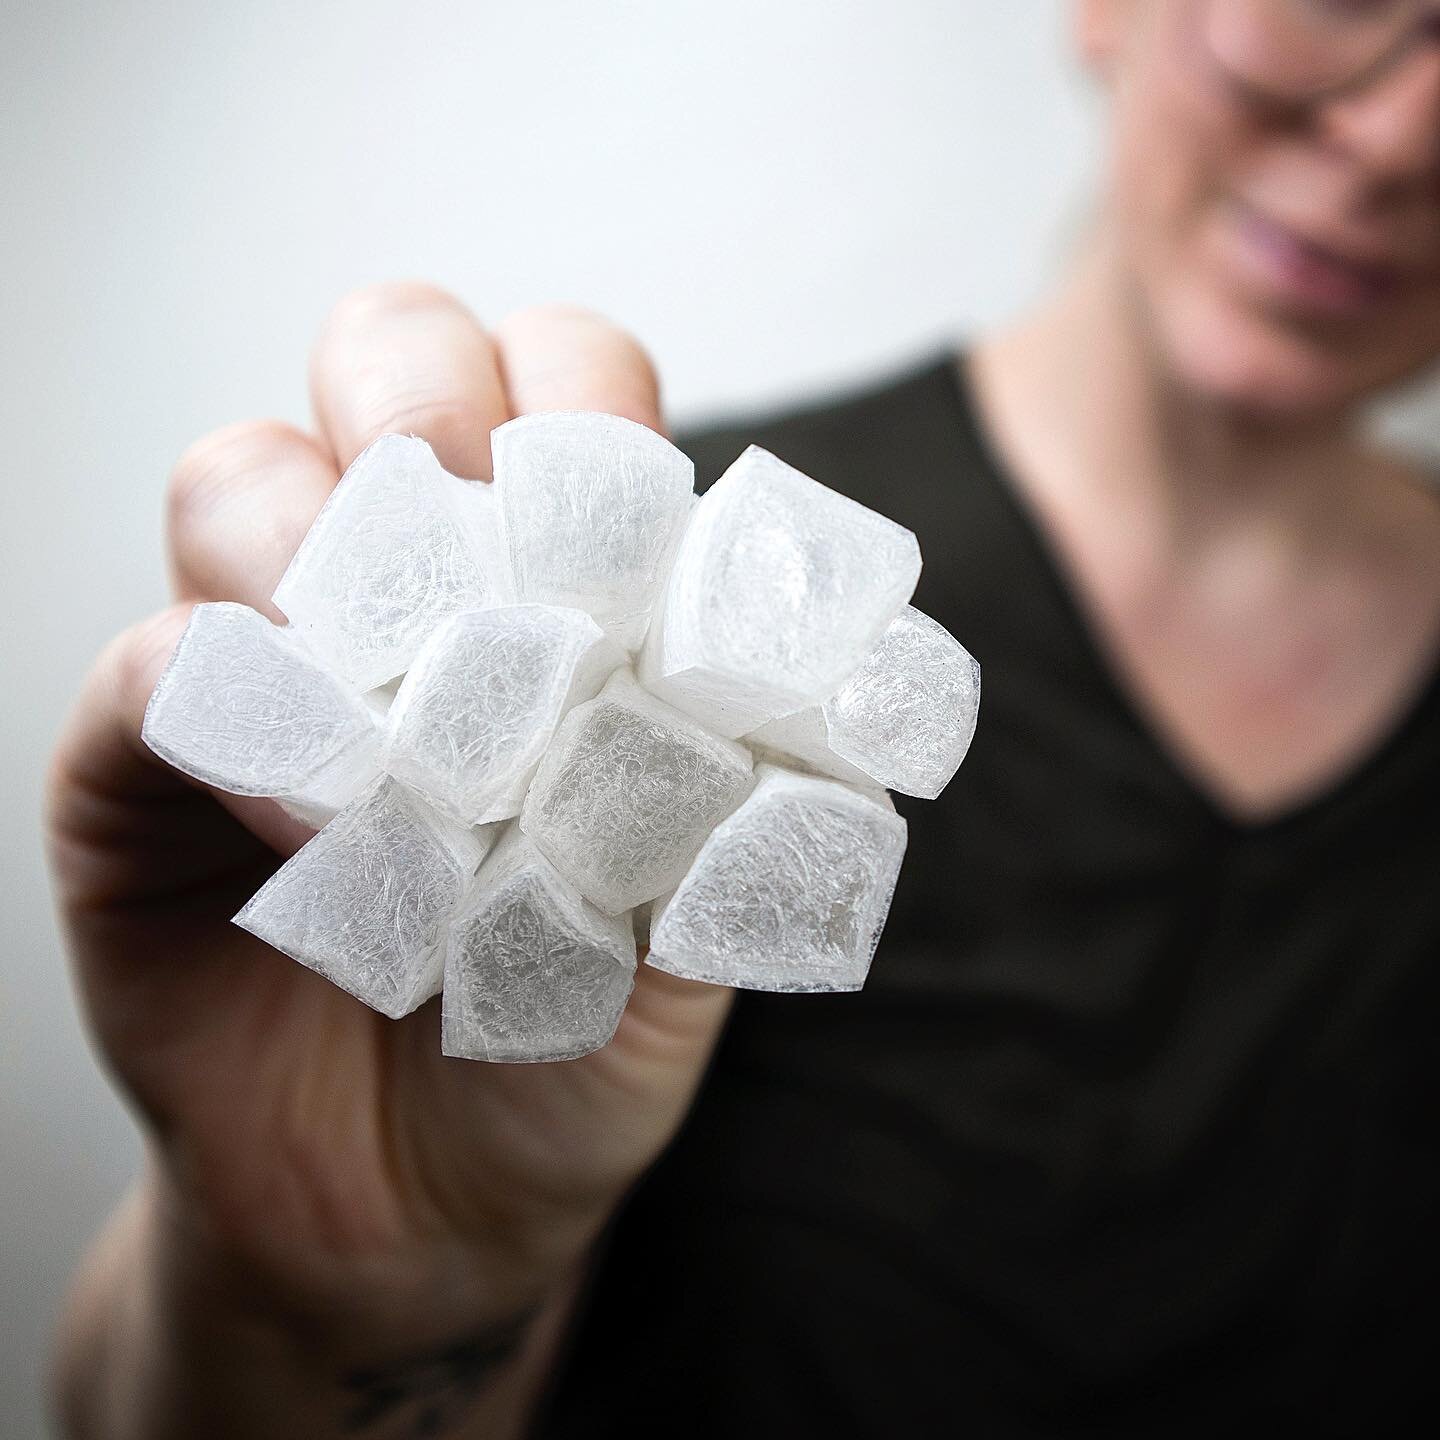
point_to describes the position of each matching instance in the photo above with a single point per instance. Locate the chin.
(1255, 365)
(1227, 349)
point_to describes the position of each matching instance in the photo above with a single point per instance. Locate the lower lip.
(1297, 274)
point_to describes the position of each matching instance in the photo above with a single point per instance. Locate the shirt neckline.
(1409, 719)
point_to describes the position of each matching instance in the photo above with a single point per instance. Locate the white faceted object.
(367, 903)
(317, 804)
(482, 699)
(400, 546)
(592, 507)
(780, 588)
(458, 655)
(532, 970)
(243, 706)
(790, 893)
(903, 720)
(627, 793)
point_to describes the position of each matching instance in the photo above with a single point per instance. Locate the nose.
(1392, 126)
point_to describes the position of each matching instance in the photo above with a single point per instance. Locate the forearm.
(152, 1345)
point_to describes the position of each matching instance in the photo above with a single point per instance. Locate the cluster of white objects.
(537, 718)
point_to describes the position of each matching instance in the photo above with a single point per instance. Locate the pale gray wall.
(774, 194)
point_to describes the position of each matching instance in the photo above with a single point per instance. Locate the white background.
(777, 196)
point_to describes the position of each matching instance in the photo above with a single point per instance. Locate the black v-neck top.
(1133, 1130)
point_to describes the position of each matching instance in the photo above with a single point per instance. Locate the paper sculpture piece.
(591, 509)
(242, 706)
(789, 893)
(400, 546)
(535, 719)
(779, 590)
(533, 971)
(627, 793)
(367, 902)
(903, 720)
(478, 706)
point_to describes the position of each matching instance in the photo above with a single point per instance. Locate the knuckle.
(214, 468)
(362, 307)
(133, 660)
(629, 355)
(446, 421)
(557, 315)
(591, 337)
(563, 355)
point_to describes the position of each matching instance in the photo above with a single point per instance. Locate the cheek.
(1176, 145)
(1217, 347)
(1177, 142)
(1181, 149)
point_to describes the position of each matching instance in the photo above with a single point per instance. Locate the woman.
(1133, 1124)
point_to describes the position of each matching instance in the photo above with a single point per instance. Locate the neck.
(1110, 429)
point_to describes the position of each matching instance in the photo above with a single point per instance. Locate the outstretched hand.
(332, 1164)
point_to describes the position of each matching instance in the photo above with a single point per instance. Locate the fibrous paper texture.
(538, 721)
(789, 893)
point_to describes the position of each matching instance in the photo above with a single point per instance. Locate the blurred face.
(1277, 209)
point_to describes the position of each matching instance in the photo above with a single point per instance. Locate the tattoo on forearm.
(429, 1393)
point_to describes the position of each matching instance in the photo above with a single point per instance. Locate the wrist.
(355, 1300)
(352, 1266)
(167, 1334)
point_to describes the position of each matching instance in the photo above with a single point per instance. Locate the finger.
(408, 358)
(240, 502)
(558, 357)
(668, 1014)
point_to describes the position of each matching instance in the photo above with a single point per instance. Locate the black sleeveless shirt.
(1133, 1130)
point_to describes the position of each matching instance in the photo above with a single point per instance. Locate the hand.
(332, 1164)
